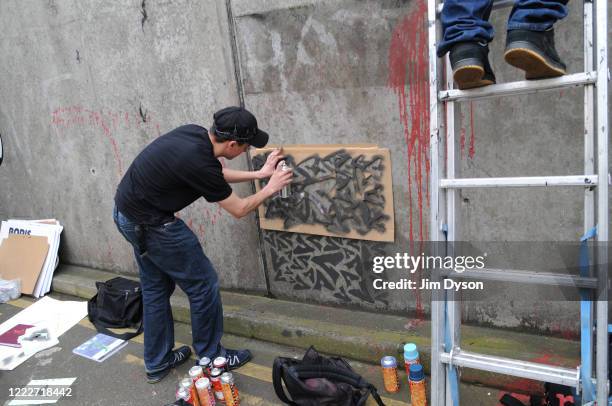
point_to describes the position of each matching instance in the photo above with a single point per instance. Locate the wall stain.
(472, 149)
(143, 11)
(409, 68)
(110, 122)
(143, 113)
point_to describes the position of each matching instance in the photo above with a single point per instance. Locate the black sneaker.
(470, 63)
(535, 53)
(237, 358)
(179, 356)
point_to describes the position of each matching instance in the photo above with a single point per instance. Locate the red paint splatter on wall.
(409, 69)
(213, 215)
(472, 150)
(108, 121)
(462, 134)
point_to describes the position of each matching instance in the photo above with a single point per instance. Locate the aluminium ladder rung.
(496, 4)
(520, 87)
(518, 368)
(528, 181)
(520, 276)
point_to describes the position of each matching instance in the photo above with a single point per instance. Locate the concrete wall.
(86, 84)
(351, 72)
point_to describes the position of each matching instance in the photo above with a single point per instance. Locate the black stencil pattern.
(340, 192)
(340, 266)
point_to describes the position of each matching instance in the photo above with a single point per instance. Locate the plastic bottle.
(418, 396)
(411, 356)
(389, 371)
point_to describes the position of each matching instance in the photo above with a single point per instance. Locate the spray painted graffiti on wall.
(338, 266)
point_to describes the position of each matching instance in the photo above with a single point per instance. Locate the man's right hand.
(280, 178)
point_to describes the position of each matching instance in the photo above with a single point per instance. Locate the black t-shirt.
(170, 174)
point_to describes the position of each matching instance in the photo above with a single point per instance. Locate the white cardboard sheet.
(57, 315)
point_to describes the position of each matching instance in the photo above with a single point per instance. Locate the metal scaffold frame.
(446, 354)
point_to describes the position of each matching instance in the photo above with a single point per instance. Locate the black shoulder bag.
(317, 381)
(118, 304)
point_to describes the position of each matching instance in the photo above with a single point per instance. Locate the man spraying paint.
(172, 172)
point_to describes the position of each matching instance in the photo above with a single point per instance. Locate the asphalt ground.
(120, 380)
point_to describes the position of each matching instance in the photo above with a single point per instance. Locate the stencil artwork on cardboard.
(343, 193)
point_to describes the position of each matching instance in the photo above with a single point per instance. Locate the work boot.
(535, 53)
(179, 356)
(470, 63)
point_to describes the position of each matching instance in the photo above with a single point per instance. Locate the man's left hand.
(268, 169)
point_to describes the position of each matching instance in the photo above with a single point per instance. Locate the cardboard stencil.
(337, 191)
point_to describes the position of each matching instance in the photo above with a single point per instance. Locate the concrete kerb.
(356, 335)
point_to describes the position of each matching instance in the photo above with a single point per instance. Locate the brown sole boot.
(470, 76)
(534, 65)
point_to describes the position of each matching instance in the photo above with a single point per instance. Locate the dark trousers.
(174, 256)
(468, 20)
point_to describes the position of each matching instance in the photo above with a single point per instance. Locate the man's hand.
(280, 178)
(239, 207)
(268, 169)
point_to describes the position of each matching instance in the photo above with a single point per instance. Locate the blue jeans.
(174, 256)
(468, 20)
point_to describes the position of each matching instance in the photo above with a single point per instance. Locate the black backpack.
(319, 381)
(118, 304)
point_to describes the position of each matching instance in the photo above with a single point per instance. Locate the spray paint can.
(185, 394)
(205, 392)
(286, 190)
(196, 373)
(187, 383)
(411, 356)
(389, 371)
(230, 391)
(221, 363)
(418, 396)
(206, 365)
(215, 380)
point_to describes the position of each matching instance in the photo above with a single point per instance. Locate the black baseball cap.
(238, 124)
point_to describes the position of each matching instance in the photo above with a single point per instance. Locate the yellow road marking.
(132, 359)
(252, 370)
(20, 303)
